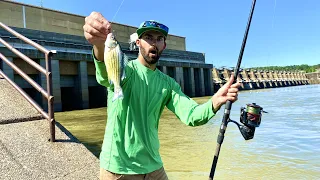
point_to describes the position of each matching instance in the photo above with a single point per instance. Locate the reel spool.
(252, 115)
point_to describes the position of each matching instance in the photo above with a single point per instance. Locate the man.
(130, 148)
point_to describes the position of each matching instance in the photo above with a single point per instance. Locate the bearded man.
(130, 149)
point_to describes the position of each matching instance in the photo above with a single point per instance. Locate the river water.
(285, 146)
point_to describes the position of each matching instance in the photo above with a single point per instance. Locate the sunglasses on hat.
(155, 24)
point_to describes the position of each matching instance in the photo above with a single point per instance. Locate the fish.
(115, 61)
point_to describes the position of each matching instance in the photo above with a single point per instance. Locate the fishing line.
(269, 51)
(274, 12)
(272, 27)
(117, 11)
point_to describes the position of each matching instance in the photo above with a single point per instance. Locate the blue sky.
(283, 32)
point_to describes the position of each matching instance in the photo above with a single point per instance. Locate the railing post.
(50, 98)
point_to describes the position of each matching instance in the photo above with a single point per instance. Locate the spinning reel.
(250, 117)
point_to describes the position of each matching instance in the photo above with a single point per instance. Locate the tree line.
(304, 67)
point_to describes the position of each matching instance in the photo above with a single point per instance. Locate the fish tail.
(117, 94)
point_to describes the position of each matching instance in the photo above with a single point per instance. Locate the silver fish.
(115, 61)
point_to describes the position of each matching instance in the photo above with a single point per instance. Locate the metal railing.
(47, 72)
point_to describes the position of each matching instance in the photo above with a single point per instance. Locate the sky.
(283, 32)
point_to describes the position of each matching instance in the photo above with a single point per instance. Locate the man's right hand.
(96, 29)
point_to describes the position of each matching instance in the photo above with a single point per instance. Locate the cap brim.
(142, 30)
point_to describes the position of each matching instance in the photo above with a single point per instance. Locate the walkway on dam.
(26, 153)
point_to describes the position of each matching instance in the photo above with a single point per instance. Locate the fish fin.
(117, 94)
(124, 63)
(123, 75)
(119, 52)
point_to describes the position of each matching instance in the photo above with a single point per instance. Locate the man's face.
(151, 44)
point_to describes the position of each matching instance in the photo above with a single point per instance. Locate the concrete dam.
(253, 79)
(46, 66)
(73, 71)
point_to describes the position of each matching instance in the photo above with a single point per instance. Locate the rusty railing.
(47, 72)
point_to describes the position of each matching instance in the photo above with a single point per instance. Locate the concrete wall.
(11, 14)
(24, 66)
(314, 78)
(37, 18)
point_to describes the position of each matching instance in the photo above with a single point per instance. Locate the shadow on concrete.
(72, 138)
(17, 120)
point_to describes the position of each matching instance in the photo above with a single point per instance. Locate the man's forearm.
(215, 105)
(99, 52)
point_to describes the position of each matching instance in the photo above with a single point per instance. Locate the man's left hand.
(227, 92)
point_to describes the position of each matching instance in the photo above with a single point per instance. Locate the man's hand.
(96, 29)
(227, 92)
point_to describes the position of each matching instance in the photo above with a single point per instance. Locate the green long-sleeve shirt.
(131, 142)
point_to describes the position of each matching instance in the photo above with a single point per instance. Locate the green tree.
(303, 67)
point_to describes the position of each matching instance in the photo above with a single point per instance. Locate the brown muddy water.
(285, 146)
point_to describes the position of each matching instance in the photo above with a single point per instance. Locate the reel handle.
(247, 132)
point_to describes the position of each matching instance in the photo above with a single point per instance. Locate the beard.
(148, 58)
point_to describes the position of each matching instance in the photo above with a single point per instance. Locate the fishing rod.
(250, 116)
